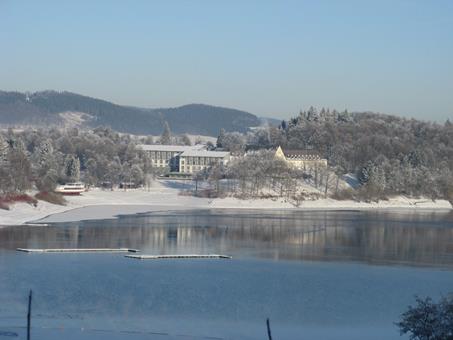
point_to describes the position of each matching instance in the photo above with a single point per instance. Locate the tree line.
(44, 158)
(389, 155)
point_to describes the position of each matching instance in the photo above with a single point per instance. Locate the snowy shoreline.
(100, 204)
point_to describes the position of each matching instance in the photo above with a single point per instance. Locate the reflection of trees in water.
(414, 238)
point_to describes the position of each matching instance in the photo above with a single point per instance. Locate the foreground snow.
(164, 195)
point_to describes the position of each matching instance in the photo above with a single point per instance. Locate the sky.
(271, 58)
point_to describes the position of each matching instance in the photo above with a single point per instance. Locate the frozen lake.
(316, 275)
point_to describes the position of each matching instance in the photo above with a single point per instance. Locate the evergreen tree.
(43, 157)
(221, 139)
(312, 115)
(72, 168)
(283, 125)
(165, 138)
(365, 172)
(18, 166)
(3, 151)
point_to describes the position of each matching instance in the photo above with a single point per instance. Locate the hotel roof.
(173, 148)
(205, 153)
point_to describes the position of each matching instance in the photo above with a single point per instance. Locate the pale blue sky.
(271, 58)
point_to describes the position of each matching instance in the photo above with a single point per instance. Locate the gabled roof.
(301, 154)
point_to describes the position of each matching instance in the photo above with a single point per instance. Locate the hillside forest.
(388, 155)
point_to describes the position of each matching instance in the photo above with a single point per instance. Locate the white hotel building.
(192, 161)
(182, 158)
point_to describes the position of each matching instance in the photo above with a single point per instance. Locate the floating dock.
(178, 256)
(80, 250)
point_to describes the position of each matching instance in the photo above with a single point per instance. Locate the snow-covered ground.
(165, 195)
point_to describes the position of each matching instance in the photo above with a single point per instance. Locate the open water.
(314, 274)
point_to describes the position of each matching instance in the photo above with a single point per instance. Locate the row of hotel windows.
(162, 154)
(200, 160)
(192, 168)
(189, 161)
(167, 155)
(160, 162)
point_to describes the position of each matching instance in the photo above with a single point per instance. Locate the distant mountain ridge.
(47, 108)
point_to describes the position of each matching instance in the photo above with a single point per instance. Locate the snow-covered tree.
(18, 167)
(220, 139)
(165, 138)
(185, 139)
(3, 151)
(43, 159)
(365, 172)
(113, 171)
(137, 176)
(428, 320)
(72, 168)
(49, 181)
(312, 114)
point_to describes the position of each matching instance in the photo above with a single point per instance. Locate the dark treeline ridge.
(44, 109)
(390, 155)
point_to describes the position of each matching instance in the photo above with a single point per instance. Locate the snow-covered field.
(165, 195)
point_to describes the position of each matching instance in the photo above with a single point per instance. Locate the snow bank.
(164, 196)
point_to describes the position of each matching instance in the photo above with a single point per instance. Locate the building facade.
(182, 158)
(166, 157)
(301, 159)
(198, 160)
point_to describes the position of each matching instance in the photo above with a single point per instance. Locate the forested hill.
(66, 108)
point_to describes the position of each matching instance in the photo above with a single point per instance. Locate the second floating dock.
(178, 256)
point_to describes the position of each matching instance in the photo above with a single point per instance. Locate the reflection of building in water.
(308, 235)
(172, 234)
